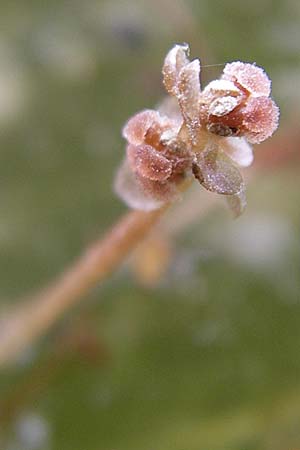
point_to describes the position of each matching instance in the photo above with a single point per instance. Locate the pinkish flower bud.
(239, 104)
(156, 156)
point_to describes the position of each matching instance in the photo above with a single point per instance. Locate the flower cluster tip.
(201, 134)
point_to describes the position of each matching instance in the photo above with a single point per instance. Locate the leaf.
(216, 172)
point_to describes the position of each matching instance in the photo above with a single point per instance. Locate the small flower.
(156, 154)
(239, 104)
(199, 134)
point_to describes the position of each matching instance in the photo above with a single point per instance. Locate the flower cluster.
(196, 134)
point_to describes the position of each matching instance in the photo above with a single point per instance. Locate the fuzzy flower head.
(197, 134)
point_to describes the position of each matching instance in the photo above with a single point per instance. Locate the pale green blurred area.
(209, 357)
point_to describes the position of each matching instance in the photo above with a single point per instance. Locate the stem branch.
(97, 263)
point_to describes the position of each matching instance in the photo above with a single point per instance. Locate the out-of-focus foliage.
(207, 357)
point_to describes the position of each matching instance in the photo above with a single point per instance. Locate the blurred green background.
(206, 353)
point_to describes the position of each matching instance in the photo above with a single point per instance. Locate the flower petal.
(137, 126)
(219, 103)
(175, 60)
(239, 150)
(128, 188)
(249, 76)
(219, 88)
(188, 96)
(162, 191)
(216, 172)
(260, 119)
(223, 105)
(237, 202)
(169, 107)
(148, 162)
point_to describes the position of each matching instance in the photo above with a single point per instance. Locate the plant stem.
(36, 316)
